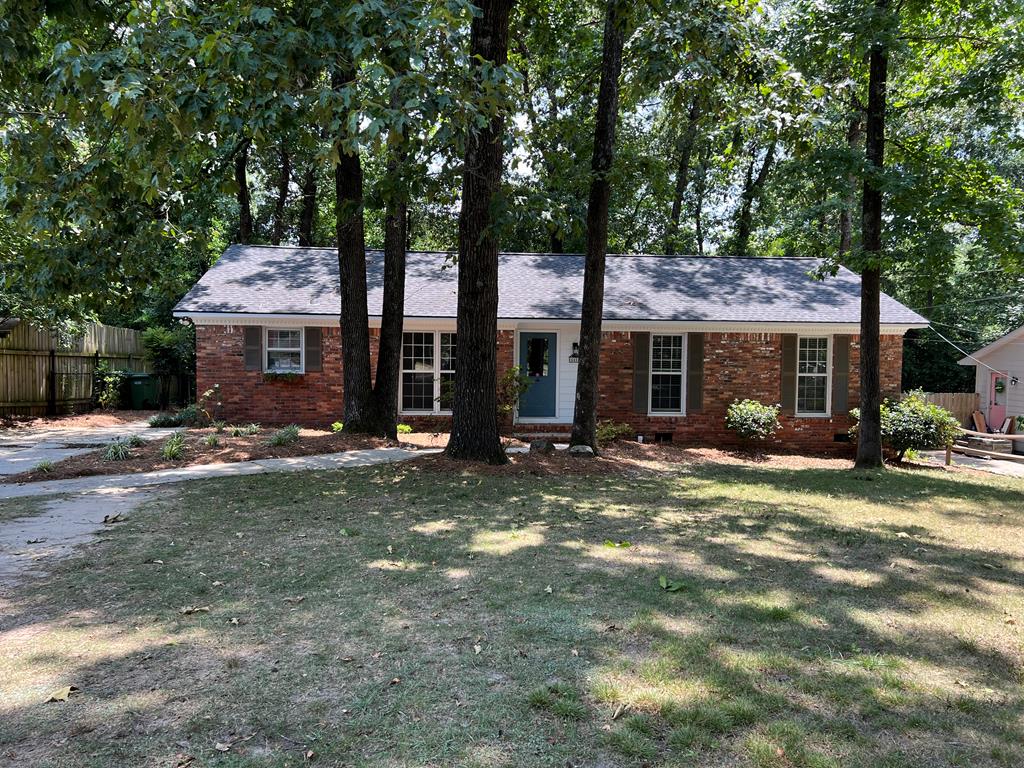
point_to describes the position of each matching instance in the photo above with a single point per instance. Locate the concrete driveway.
(23, 449)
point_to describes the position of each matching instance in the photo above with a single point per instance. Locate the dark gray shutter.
(694, 372)
(788, 400)
(314, 356)
(841, 375)
(641, 371)
(253, 347)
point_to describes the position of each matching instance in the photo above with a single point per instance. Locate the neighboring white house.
(999, 377)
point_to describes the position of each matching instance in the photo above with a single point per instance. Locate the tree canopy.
(123, 126)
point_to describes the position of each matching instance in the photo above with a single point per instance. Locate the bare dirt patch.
(229, 449)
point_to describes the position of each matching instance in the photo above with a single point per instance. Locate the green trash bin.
(145, 391)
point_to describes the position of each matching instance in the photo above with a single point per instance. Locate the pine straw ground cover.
(718, 615)
(228, 448)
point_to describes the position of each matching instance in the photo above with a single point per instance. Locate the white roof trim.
(997, 344)
(444, 323)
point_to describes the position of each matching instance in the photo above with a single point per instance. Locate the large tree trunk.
(698, 205)
(307, 217)
(282, 196)
(869, 432)
(245, 227)
(389, 351)
(752, 187)
(853, 137)
(584, 420)
(684, 149)
(475, 407)
(355, 328)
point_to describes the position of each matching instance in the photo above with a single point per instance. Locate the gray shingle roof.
(256, 279)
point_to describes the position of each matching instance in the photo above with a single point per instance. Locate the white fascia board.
(449, 323)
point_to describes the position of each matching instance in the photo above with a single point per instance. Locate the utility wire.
(962, 352)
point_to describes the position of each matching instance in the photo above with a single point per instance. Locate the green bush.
(752, 420)
(134, 441)
(609, 431)
(912, 423)
(212, 440)
(285, 435)
(248, 429)
(511, 386)
(45, 466)
(337, 426)
(174, 448)
(109, 385)
(164, 420)
(404, 429)
(119, 450)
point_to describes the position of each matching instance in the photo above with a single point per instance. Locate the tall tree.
(283, 180)
(684, 150)
(475, 409)
(869, 433)
(584, 420)
(351, 242)
(245, 225)
(307, 212)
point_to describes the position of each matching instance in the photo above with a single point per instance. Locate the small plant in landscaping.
(285, 435)
(45, 466)
(913, 424)
(219, 426)
(134, 441)
(119, 450)
(609, 431)
(337, 426)
(248, 429)
(751, 420)
(511, 386)
(404, 429)
(174, 448)
(212, 441)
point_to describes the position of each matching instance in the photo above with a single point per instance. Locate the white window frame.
(267, 349)
(682, 377)
(828, 379)
(436, 372)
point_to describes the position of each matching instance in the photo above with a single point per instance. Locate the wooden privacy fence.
(960, 404)
(38, 377)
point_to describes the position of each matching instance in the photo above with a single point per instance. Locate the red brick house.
(683, 338)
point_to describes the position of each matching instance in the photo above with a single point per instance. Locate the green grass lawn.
(719, 616)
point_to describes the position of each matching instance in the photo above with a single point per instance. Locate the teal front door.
(538, 359)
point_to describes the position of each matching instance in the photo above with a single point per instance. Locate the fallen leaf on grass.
(671, 586)
(297, 599)
(617, 544)
(477, 649)
(225, 746)
(548, 589)
(187, 610)
(63, 694)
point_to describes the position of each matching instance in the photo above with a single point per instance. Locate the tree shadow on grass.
(389, 616)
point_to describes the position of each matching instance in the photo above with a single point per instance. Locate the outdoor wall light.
(1013, 381)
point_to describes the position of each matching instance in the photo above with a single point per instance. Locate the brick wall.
(314, 399)
(736, 365)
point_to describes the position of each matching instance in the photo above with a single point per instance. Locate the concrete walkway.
(201, 471)
(23, 449)
(995, 466)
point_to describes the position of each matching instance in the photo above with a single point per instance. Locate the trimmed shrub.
(404, 429)
(913, 424)
(164, 420)
(285, 435)
(752, 420)
(609, 431)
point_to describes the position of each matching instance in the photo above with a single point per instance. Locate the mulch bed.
(75, 420)
(147, 457)
(625, 458)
